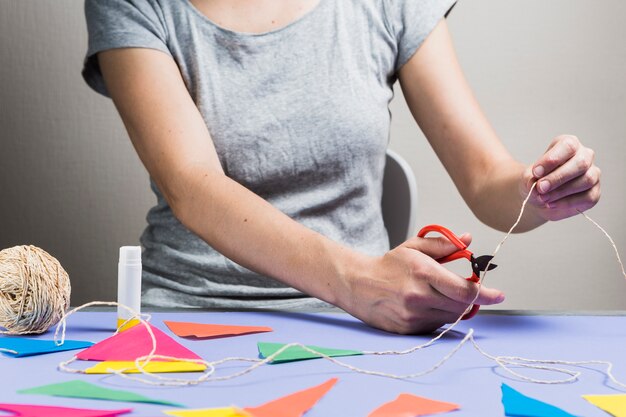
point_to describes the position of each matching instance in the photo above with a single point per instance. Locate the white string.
(504, 362)
(619, 260)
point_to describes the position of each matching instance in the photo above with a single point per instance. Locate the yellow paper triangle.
(614, 404)
(153, 367)
(210, 412)
(129, 323)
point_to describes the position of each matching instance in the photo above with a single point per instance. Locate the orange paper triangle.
(407, 405)
(186, 329)
(293, 405)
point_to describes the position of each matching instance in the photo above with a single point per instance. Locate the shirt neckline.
(296, 22)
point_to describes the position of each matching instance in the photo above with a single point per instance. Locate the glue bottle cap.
(130, 255)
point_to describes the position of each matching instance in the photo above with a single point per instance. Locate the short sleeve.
(411, 21)
(115, 24)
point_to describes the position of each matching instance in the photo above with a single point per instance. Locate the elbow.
(186, 192)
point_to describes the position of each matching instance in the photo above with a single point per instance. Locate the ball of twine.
(34, 290)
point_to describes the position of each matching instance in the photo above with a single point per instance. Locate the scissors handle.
(443, 231)
(462, 253)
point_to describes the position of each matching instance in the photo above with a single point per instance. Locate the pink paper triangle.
(26, 410)
(134, 343)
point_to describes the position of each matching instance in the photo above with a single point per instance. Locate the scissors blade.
(480, 264)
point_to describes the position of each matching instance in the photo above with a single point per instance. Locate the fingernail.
(538, 171)
(500, 298)
(544, 186)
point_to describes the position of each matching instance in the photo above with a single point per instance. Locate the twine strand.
(619, 260)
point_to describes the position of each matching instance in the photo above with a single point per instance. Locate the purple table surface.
(468, 378)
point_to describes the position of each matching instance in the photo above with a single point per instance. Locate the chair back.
(399, 201)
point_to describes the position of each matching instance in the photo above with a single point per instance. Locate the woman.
(263, 125)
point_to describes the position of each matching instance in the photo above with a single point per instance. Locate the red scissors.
(479, 264)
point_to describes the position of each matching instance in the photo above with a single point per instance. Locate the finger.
(571, 205)
(561, 150)
(528, 179)
(436, 247)
(578, 185)
(466, 238)
(460, 290)
(443, 303)
(573, 168)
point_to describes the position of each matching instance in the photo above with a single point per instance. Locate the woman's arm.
(174, 144)
(491, 182)
(404, 291)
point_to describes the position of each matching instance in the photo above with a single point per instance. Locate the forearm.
(444, 106)
(173, 142)
(250, 231)
(488, 178)
(497, 200)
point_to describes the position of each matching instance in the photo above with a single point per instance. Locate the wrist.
(344, 267)
(352, 271)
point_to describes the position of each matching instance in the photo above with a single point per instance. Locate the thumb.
(436, 247)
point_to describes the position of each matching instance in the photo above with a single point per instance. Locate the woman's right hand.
(407, 291)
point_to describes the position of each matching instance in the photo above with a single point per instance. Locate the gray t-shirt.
(298, 115)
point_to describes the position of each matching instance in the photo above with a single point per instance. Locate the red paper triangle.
(186, 329)
(293, 405)
(407, 405)
(26, 410)
(134, 343)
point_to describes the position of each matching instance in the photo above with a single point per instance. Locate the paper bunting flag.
(200, 330)
(210, 412)
(82, 389)
(517, 404)
(134, 343)
(407, 405)
(26, 410)
(296, 353)
(154, 367)
(293, 405)
(614, 404)
(21, 346)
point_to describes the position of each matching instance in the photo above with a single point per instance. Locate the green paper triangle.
(297, 353)
(81, 389)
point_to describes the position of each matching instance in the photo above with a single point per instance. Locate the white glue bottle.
(128, 285)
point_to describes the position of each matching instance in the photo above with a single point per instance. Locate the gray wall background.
(71, 183)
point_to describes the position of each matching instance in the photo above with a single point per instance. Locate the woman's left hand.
(567, 179)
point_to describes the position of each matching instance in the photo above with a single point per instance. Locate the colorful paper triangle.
(27, 410)
(201, 330)
(22, 346)
(297, 353)
(134, 343)
(210, 412)
(614, 404)
(517, 404)
(293, 405)
(154, 367)
(82, 389)
(408, 405)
